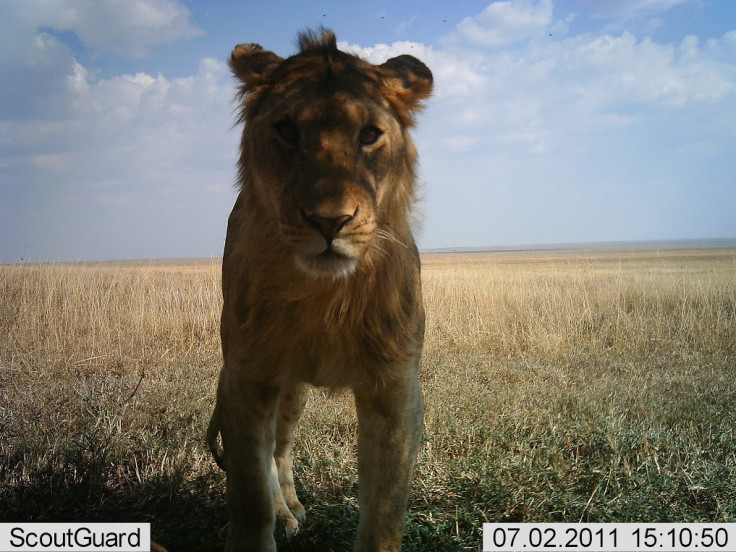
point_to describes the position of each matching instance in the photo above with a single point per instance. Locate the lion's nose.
(329, 227)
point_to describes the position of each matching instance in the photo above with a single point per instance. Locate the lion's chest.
(307, 341)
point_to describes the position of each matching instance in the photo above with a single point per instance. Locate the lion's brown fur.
(345, 326)
(321, 278)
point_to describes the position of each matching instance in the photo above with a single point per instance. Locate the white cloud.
(722, 49)
(136, 25)
(644, 17)
(624, 10)
(127, 28)
(505, 22)
(80, 151)
(406, 24)
(622, 69)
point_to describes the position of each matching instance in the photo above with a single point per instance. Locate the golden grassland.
(559, 386)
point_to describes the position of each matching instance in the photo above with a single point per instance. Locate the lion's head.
(325, 155)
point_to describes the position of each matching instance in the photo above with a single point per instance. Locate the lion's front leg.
(390, 429)
(247, 415)
(292, 401)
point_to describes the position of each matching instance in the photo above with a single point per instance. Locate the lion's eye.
(369, 135)
(288, 132)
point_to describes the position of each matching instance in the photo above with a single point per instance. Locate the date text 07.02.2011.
(609, 537)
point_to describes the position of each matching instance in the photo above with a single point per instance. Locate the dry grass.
(559, 386)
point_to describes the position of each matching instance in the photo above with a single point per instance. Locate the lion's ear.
(408, 80)
(251, 63)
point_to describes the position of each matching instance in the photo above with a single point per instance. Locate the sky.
(551, 121)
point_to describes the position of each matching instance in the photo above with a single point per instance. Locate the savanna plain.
(581, 385)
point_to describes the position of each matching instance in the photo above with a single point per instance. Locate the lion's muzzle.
(329, 225)
(332, 242)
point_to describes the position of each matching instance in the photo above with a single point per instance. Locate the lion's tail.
(213, 430)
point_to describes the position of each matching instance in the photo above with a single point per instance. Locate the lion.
(321, 282)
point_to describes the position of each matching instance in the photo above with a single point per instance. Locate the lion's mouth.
(330, 254)
(329, 262)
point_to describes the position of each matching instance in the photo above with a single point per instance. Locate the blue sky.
(551, 121)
